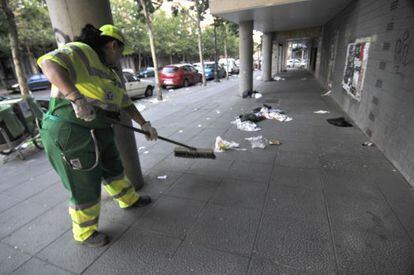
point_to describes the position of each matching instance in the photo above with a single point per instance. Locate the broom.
(185, 151)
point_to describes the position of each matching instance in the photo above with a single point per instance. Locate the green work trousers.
(85, 158)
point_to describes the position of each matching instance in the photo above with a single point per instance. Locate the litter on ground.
(257, 95)
(327, 93)
(321, 112)
(218, 111)
(277, 114)
(180, 131)
(199, 125)
(146, 152)
(278, 78)
(141, 148)
(247, 126)
(140, 107)
(274, 141)
(222, 145)
(339, 122)
(257, 142)
(368, 144)
(163, 177)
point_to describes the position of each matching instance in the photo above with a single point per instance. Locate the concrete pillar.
(267, 56)
(284, 55)
(246, 58)
(68, 17)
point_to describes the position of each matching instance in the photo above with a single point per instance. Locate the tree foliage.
(33, 26)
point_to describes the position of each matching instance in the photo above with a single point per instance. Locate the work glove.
(83, 110)
(152, 133)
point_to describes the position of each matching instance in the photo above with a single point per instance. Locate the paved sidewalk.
(319, 203)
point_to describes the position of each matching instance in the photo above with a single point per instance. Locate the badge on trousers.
(76, 163)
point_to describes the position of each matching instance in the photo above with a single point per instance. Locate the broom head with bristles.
(197, 153)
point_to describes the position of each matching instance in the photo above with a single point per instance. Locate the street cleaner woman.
(78, 140)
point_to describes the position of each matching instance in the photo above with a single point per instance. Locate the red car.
(179, 75)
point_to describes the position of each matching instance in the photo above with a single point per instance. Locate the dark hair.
(92, 36)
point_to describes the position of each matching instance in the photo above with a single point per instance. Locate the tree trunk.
(225, 50)
(200, 44)
(14, 45)
(153, 53)
(171, 59)
(3, 83)
(139, 60)
(32, 60)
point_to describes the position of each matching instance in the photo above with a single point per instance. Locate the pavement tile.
(394, 186)
(240, 194)
(11, 258)
(297, 177)
(18, 215)
(250, 171)
(371, 251)
(171, 217)
(112, 213)
(38, 267)
(364, 214)
(405, 213)
(137, 252)
(300, 203)
(195, 187)
(156, 187)
(7, 202)
(341, 182)
(42, 231)
(65, 253)
(300, 244)
(214, 168)
(263, 266)
(221, 227)
(191, 259)
(51, 196)
(172, 163)
(32, 186)
(294, 159)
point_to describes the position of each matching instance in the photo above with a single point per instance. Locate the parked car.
(292, 63)
(179, 75)
(136, 87)
(303, 64)
(229, 65)
(35, 82)
(209, 69)
(146, 72)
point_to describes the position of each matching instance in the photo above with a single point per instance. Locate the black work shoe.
(141, 202)
(97, 239)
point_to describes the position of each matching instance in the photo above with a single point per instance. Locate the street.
(298, 207)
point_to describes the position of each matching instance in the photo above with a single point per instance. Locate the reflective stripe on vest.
(92, 70)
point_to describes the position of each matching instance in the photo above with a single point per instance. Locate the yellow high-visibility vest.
(97, 82)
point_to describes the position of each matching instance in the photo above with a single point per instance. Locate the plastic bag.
(222, 145)
(246, 125)
(257, 142)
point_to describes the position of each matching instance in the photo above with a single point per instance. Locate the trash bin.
(10, 124)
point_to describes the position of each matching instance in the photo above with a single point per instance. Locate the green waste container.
(10, 123)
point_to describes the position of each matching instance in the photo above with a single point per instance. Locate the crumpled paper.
(274, 114)
(257, 142)
(222, 145)
(247, 125)
(321, 112)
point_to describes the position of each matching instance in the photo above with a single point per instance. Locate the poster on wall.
(355, 67)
